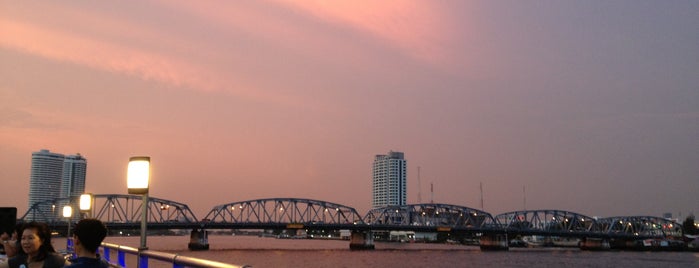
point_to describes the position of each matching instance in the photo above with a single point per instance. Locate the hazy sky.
(593, 106)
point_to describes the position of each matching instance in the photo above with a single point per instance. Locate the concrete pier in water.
(594, 244)
(362, 240)
(494, 242)
(198, 240)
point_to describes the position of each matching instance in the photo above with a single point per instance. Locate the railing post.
(122, 258)
(105, 253)
(142, 260)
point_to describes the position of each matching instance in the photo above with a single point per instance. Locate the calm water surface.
(271, 252)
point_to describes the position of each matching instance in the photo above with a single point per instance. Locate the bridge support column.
(494, 242)
(362, 240)
(198, 240)
(594, 244)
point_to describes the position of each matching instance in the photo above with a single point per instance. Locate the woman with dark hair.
(39, 252)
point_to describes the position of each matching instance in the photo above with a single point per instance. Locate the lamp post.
(67, 213)
(137, 182)
(86, 204)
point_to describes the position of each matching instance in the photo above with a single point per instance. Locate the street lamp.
(86, 204)
(67, 213)
(137, 182)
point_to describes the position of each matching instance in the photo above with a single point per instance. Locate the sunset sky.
(592, 106)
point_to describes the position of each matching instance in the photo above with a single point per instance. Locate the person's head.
(36, 240)
(89, 233)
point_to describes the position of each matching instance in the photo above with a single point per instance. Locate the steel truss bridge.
(570, 224)
(281, 213)
(124, 212)
(431, 217)
(116, 211)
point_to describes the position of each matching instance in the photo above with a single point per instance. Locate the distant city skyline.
(389, 183)
(593, 106)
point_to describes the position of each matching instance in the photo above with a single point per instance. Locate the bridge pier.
(594, 244)
(494, 242)
(198, 240)
(361, 240)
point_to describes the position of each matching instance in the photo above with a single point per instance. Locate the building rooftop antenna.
(419, 187)
(524, 192)
(481, 184)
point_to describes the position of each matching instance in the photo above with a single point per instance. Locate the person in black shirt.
(87, 237)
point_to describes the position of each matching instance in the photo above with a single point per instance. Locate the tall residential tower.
(73, 180)
(54, 176)
(389, 180)
(45, 180)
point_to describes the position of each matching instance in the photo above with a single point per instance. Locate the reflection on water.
(271, 252)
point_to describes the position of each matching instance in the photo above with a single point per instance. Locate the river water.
(272, 252)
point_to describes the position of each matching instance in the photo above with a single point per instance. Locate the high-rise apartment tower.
(73, 180)
(389, 180)
(45, 181)
(54, 176)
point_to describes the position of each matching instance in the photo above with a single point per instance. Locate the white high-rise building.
(45, 181)
(389, 180)
(54, 176)
(73, 180)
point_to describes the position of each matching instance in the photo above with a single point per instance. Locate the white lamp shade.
(138, 175)
(85, 201)
(67, 212)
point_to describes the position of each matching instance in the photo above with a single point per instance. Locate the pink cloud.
(415, 28)
(63, 46)
(259, 23)
(110, 56)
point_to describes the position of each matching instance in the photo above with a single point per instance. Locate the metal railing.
(145, 255)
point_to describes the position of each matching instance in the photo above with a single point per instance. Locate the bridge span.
(570, 224)
(121, 212)
(115, 210)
